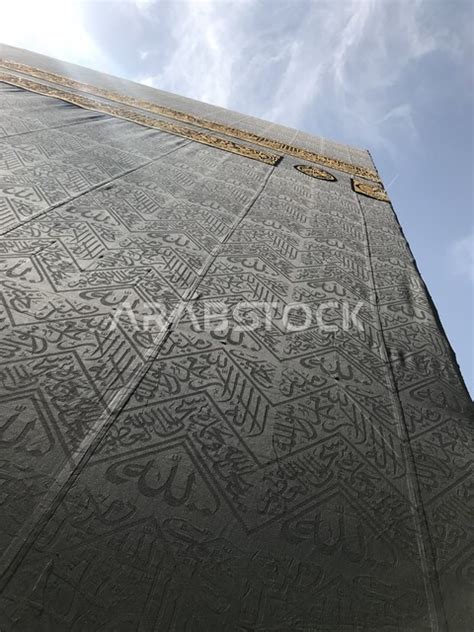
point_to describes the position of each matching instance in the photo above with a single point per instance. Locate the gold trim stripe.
(135, 117)
(240, 134)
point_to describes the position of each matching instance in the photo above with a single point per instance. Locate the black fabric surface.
(206, 480)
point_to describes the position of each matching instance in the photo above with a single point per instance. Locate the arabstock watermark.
(243, 316)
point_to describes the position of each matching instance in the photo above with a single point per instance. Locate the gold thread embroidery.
(370, 190)
(135, 117)
(314, 172)
(240, 134)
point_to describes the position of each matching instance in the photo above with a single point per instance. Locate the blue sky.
(394, 76)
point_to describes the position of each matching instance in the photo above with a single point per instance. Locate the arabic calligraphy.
(241, 134)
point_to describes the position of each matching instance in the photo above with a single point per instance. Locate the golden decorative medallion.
(136, 117)
(176, 115)
(371, 190)
(314, 172)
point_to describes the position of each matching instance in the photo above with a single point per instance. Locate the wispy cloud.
(353, 52)
(200, 63)
(340, 70)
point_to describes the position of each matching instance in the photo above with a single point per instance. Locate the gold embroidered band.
(314, 172)
(239, 134)
(135, 117)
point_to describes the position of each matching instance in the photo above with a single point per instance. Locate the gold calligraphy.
(314, 172)
(370, 190)
(184, 117)
(136, 117)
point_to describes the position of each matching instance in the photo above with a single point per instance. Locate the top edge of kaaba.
(221, 117)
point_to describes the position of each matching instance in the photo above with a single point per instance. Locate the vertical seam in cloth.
(26, 540)
(69, 473)
(435, 603)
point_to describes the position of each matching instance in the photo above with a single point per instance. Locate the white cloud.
(350, 53)
(362, 48)
(202, 60)
(290, 65)
(51, 27)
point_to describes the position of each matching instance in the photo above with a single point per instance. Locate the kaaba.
(227, 402)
